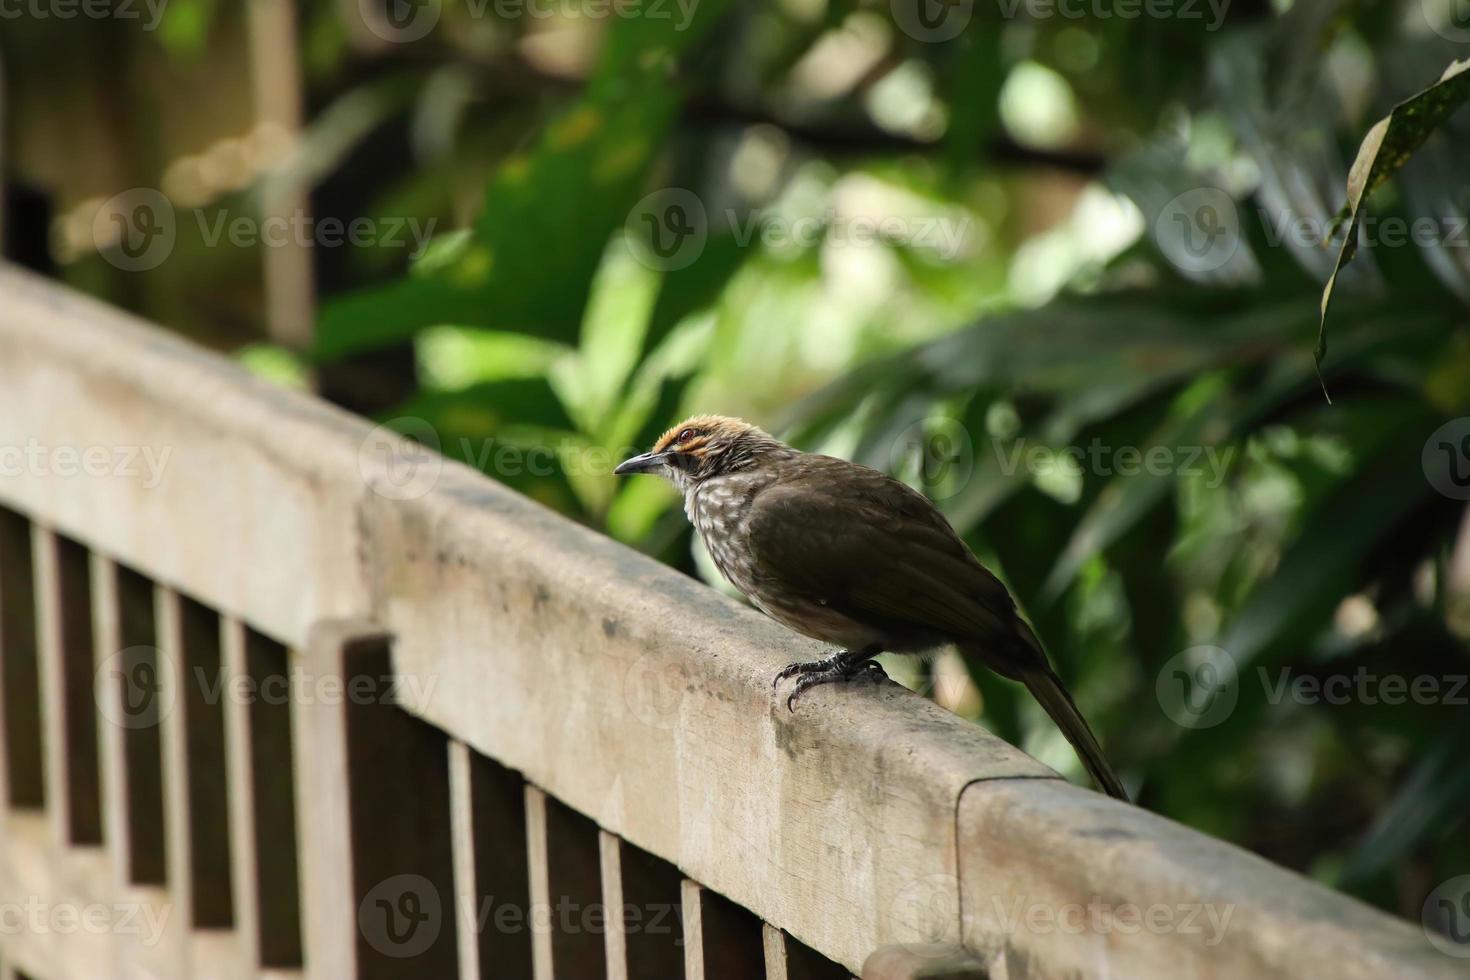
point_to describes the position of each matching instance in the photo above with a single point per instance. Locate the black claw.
(786, 672)
(839, 667)
(803, 667)
(809, 681)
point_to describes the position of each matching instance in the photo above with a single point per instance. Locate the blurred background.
(1058, 263)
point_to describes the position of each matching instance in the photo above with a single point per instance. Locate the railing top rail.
(627, 690)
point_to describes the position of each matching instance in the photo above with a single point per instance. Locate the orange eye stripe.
(670, 442)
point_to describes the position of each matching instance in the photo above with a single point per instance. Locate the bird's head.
(702, 447)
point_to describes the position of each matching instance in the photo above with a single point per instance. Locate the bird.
(854, 558)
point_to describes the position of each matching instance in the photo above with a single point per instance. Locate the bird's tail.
(1046, 687)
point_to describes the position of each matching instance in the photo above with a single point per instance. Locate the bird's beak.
(641, 464)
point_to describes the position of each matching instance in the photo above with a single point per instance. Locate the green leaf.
(1386, 148)
(514, 430)
(547, 216)
(975, 79)
(694, 287)
(1126, 500)
(1433, 794)
(1287, 610)
(486, 408)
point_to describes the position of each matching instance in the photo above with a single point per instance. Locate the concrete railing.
(283, 695)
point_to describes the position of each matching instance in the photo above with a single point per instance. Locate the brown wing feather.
(878, 551)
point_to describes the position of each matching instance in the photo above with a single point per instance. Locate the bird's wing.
(877, 551)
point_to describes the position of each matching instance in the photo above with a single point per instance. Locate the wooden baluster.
(775, 948)
(22, 771)
(641, 892)
(567, 917)
(610, 848)
(129, 705)
(722, 941)
(492, 886)
(68, 709)
(195, 801)
(374, 817)
(257, 707)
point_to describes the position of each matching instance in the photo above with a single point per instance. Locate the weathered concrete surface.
(1061, 882)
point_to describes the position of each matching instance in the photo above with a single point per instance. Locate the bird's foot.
(832, 663)
(845, 666)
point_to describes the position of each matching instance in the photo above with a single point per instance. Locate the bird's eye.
(686, 435)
